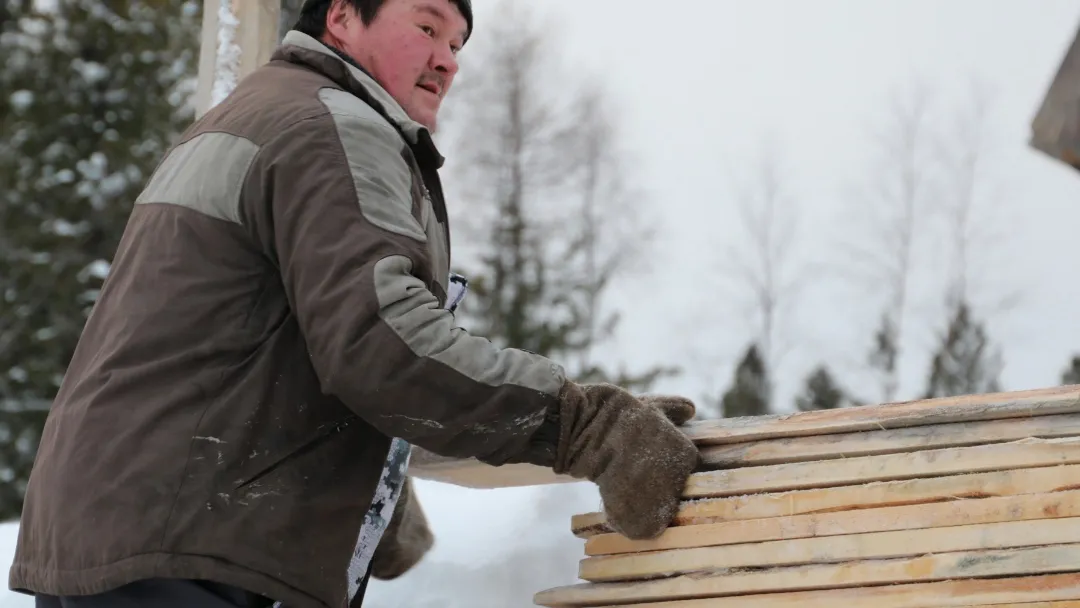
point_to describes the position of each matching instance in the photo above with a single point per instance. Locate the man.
(275, 331)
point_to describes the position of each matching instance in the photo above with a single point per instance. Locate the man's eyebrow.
(425, 7)
(431, 9)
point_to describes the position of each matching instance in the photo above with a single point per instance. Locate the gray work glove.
(630, 447)
(406, 540)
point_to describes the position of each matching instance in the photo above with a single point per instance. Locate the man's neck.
(347, 58)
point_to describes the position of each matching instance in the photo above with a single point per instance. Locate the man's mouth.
(431, 87)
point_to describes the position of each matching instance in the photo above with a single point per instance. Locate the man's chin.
(425, 116)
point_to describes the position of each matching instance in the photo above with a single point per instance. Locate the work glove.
(406, 540)
(631, 448)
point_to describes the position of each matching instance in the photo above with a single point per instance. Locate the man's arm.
(355, 267)
(356, 270)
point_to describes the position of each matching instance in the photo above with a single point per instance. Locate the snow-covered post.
(237, 37)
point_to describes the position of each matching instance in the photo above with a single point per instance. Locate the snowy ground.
(494, 548)
(9, 532)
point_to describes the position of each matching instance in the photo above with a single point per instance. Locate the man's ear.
(339, 16)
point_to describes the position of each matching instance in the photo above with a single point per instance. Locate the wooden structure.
(969, 501)
(237, 37)
(1055, 129)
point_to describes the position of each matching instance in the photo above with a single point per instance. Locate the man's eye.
(430, 31)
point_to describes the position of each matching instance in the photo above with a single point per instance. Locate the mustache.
(433, 78)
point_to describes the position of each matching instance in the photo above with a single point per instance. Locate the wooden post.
(237, 37)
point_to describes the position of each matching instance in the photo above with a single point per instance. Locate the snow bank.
(493, 548)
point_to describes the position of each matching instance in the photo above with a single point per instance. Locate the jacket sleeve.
(356, 270)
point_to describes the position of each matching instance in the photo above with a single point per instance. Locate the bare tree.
(889, 209)
(765, 271)
(542, 207)
(969, 203)
(552, 207)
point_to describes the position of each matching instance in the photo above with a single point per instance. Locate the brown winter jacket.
(272, 317)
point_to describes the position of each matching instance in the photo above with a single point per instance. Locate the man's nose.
(445, 62)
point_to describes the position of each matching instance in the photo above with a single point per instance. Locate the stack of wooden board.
(969, 501)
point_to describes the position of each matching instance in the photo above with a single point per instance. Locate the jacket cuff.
(543, 446)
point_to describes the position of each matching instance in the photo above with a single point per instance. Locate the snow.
(9, 534)
(493, 548)
(20, 100)
(227, 65)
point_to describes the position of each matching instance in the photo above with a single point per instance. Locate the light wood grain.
(1056, 590)
(923, 568)
(1025, 453)
(817, 525)
(967, 408)
(800, 551)
(890, 441)
(851, 498)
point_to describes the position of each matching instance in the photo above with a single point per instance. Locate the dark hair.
(312, 19)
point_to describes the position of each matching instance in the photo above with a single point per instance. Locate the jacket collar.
(298, 47)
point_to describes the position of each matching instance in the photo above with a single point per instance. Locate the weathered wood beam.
(237, 37)
(1055, 129)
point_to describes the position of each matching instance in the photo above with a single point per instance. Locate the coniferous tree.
(1071, 374)
(965, 363)
(822, 392)
(883, 356)
(94, 93)
(749, 392)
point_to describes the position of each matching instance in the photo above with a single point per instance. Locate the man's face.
(409, 48)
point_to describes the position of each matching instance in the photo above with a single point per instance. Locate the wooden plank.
(1027, 591)
(1061, 604)
(850, 498)
(237, 37)
(970, 408)
(817, 525)
(472, 473)
(890, 441)
(1026, 453)
(967, 408)
(924, 568)
(1055, 128)
(800, 551)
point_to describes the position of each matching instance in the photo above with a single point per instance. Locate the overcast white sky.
(700, 82)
